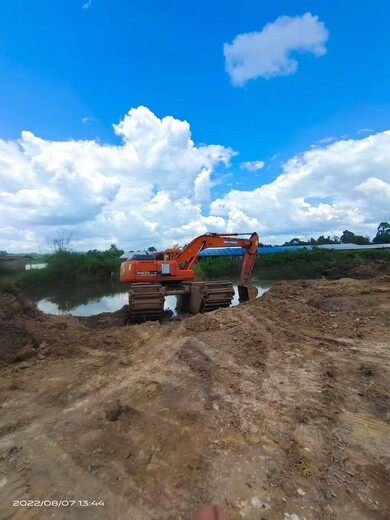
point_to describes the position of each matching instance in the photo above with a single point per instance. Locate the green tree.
(350, 238)
(295, 242)
(383, 234)
(322, 240)
(92, 252)
(114, 251)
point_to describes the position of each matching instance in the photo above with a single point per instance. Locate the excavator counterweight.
(170, 272)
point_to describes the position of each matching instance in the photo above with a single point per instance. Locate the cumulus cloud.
(267, 53)
(343, 185)
(252, 166)
(155, 188)
(155, 181)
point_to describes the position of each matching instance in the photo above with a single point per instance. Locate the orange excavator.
(169, 272)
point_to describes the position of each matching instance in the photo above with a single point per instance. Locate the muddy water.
(88, 300)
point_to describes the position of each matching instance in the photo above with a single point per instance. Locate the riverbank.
(304, 264)
(69, 269)
(277, 408)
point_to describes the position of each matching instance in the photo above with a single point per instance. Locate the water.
(109, 303)
(110, 296)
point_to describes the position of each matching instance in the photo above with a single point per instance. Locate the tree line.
(348, 237)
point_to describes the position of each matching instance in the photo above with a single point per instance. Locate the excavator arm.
(189, 255)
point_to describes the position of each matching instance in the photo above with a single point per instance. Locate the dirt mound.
(16, 341)
(277, 409)
(106, 320)
(371, 270)
(118, 318)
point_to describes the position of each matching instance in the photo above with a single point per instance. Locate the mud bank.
(275, 408)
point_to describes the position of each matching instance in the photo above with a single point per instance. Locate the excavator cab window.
(165, 268)
(140, 256)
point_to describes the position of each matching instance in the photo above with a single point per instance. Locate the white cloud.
(326, 140)
(156, 180)
(154, 189)
(252, 166)
(87, 4)
(202, 187)
(268, 53)
(365, 131)
(343, 185)
(86, 120)
(377, 190)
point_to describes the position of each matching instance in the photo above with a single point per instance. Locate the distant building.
(13, 262)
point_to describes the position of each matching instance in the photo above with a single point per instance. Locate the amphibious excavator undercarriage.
(169, 272)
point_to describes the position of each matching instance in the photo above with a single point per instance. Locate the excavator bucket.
(247, 292)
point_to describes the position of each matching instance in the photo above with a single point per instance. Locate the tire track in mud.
(89, 395)
(274, 408)
(339, 410)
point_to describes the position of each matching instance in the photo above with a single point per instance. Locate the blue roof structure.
(239, 251)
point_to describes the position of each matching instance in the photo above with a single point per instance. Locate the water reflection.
(110, 303)
(87, 300)
(81, 300)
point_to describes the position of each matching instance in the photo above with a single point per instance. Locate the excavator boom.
(190, 253)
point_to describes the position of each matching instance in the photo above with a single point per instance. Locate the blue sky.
(68, 72)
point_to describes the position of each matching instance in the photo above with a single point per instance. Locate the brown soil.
(275, 410)
(371, 269)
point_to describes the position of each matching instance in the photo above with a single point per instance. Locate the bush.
(289, 265)
(222, 266)
(65, 267)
